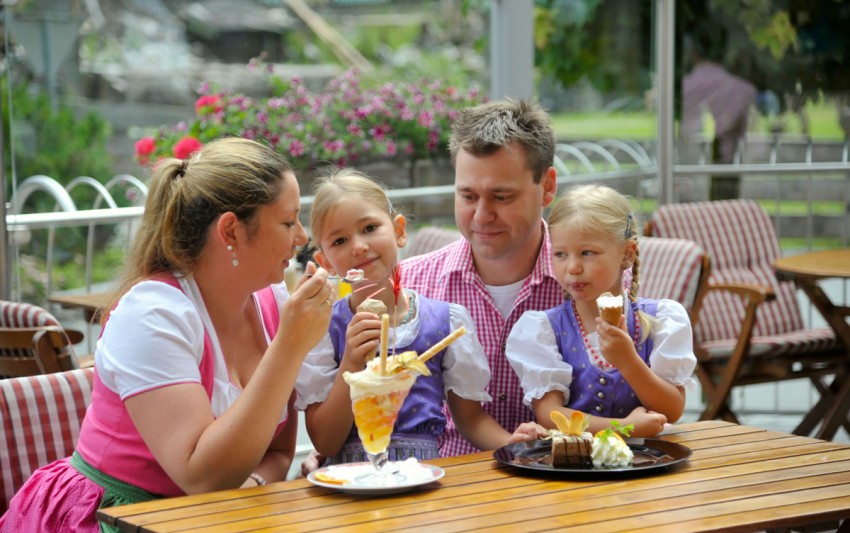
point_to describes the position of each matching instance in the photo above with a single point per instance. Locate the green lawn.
(823, 124)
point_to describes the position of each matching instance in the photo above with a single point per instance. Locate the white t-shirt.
(155, 338)
(505, 296)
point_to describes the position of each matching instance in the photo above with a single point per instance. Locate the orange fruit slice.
(576, 423)
(560, 421)
(324, 478)
(614, 433)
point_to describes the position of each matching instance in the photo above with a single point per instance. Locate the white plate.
(415, 474)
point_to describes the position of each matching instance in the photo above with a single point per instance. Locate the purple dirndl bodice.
(421, 420)
(593, 390)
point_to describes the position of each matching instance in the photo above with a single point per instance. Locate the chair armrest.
(74, 336)
(753, 293)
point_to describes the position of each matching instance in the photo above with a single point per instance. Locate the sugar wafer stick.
(433, 350)
(385, 329)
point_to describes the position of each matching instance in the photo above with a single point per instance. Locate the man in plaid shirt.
(503, 153)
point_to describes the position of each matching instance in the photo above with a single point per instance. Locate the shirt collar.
(458, 260)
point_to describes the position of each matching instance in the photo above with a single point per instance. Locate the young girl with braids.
(568, 358)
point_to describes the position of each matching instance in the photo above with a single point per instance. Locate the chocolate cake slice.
(572, 451)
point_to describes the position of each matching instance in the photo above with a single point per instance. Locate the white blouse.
(465, 367)
(155, 337)
(533, 352)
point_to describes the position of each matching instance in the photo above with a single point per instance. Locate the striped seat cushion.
(739, 237)
(784, 345)
(40, 419)
(669, 269)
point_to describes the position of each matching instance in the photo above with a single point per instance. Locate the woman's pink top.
(108, 438)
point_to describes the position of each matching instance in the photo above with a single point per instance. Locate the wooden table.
(739, 478)
(92, 303)
(806, 270)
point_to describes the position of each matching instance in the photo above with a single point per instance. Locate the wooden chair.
(673, 269)
(40, 419)
(32, 341)
(750, 328)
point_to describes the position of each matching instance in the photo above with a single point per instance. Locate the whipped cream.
(370, 381)
(609, 300)
(611, 452)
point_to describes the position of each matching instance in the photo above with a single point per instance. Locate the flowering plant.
(345, 124)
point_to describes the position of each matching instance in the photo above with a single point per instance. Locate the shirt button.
(503, 397)
(600, 395)
(603, 381)
(598, 409)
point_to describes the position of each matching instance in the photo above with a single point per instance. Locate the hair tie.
(181, 170)
(628, 225)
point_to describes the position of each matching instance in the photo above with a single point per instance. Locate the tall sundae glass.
(376, 401)
(377, 395)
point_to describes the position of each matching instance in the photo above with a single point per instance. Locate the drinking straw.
(385, 327)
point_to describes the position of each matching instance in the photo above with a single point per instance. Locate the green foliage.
(568, 43)
(53, 142)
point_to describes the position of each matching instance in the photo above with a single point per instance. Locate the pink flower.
(144, 148)
(296, 148)
(186, 146)
(208, 103)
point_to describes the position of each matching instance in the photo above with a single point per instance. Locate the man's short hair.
(483, 129)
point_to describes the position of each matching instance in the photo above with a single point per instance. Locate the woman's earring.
(233, 256)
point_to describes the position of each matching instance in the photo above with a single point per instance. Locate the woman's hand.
(305, 316)
(362, 339)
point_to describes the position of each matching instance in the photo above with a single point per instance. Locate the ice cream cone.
(610, 308)
(373, 306)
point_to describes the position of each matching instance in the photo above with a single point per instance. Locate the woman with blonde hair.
(196, 364)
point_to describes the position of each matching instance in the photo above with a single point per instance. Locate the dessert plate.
(651, 456)
(354, 478)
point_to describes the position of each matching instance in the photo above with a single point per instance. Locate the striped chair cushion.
(785, 345)
(670, 269)
(430, 238)
(23, 315)
(40, 418)
(739, 237)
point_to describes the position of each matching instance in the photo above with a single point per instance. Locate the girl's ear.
(400, 227)
(320, 258)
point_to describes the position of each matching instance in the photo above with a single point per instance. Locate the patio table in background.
(92, 303)
(806, 270)
(738, 478)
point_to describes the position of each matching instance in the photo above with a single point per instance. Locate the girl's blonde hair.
(601, 209)
(342, 184)
(185, 198)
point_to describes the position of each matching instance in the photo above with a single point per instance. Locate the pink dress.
(57, 497)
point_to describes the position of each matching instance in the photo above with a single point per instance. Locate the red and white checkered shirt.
(449, 274)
